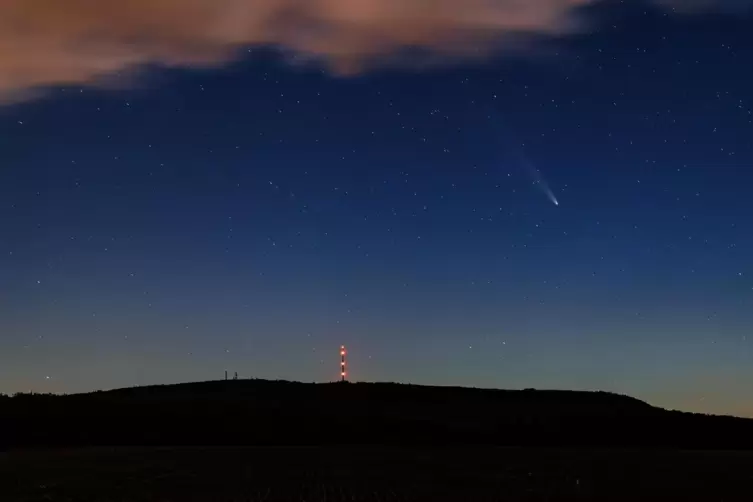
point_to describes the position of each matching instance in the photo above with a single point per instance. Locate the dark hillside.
(258, 412)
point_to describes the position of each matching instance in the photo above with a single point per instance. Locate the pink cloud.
(64, 42)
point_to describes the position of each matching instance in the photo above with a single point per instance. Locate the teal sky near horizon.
(188, 200)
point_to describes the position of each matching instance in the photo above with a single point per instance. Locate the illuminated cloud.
(65, 42)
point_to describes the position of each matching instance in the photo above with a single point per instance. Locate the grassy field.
(377, 474)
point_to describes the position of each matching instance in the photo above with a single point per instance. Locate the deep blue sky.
(254, 216)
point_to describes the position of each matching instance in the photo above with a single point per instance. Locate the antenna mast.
(343, 372)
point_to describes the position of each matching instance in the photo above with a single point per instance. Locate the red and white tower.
(343, 372)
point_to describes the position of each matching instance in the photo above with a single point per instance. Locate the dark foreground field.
(372, 474)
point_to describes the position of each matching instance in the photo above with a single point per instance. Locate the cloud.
(66, 42)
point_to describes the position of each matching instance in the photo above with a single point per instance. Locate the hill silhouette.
(260, 412)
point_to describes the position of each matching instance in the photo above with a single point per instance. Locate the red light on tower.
(343, 373)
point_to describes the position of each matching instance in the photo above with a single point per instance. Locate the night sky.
(189, 191)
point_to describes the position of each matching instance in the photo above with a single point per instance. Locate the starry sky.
(189, 188)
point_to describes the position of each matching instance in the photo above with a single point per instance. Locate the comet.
(518, 153)
(539, 181)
